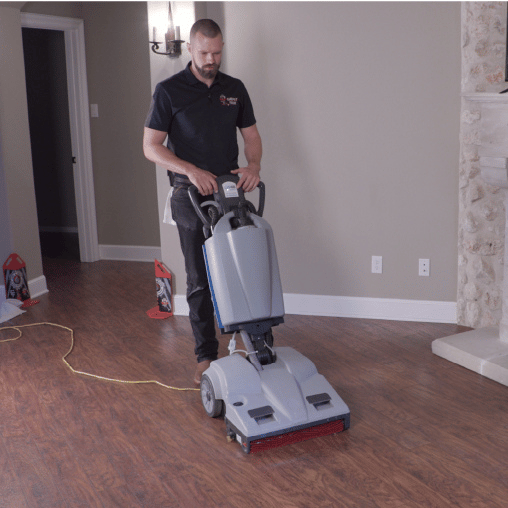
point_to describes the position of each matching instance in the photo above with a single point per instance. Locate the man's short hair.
(207, 27)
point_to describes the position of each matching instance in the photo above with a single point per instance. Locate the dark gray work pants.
(201, 314)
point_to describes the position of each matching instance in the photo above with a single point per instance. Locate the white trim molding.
(496, 98)
(79, 117)
(180, 306)
(304, 305)
(129, 253)
(371, 308)
(37, 286)
(357, 307)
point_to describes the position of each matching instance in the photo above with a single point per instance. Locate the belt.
(181, 180)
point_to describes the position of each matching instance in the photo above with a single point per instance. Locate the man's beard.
(208, 71)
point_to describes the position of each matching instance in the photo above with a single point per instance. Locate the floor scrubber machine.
(269, 396)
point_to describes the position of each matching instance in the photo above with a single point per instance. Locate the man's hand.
(203, 180)
(249, 177)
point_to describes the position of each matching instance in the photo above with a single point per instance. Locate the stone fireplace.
(481, 205)
(485, 350)
(482, 293)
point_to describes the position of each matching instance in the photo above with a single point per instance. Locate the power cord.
(232, 347)
(64, 359)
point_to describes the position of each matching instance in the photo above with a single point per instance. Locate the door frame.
(79, 117)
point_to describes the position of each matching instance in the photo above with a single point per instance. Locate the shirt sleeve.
(160, 113)
(246, 117)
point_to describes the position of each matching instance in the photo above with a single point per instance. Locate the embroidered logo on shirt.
(228, 101)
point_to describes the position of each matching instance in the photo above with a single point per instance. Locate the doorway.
(74, 38)
(50, 139)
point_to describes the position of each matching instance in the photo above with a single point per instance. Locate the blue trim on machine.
(217, 315)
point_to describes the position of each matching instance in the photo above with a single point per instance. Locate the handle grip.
(261, 204)
(207, 221)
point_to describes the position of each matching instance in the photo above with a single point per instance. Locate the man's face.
(206, 55)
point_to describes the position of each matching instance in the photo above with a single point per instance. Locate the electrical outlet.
(424, 267)
(377, 264)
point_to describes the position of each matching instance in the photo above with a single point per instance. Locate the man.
(199, 110)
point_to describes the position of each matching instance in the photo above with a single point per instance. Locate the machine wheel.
(213, 406)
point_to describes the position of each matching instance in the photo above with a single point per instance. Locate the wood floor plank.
(476, 488)
(141, 481)
(423, 485)
(63, 465)
(38, 485)
(10, 486)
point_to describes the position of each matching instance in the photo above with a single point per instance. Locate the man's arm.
(155, 151)
(253, 152)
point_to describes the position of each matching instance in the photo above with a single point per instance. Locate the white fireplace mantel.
(486, 97)
(493, 149)
(485, 350)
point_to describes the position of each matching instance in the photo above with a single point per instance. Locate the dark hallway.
(46, 78)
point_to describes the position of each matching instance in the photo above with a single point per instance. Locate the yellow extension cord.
(64, 359)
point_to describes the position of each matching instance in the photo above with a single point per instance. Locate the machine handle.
(261, 204)
(194, 197)
(207, 221)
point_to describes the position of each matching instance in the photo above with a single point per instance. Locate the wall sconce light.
(172, 38)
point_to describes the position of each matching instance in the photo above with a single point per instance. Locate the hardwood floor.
(424, 432)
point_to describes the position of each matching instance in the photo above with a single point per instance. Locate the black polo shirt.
(201, 122)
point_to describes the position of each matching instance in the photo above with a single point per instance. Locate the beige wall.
(117, 56)
(358, 106)
(117, 50)
(119, 82)
(162, 67)
(19, 228)
(63, 9)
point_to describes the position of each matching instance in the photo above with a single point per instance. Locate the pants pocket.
(183, 211)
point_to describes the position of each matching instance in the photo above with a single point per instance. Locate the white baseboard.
(356, 307)
(129, 253)
(306, 305)
(371, 308)
(36, 287)
(180, 306)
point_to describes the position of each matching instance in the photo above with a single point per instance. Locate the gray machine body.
(279, 397)
(244, 272)
(285, 396)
